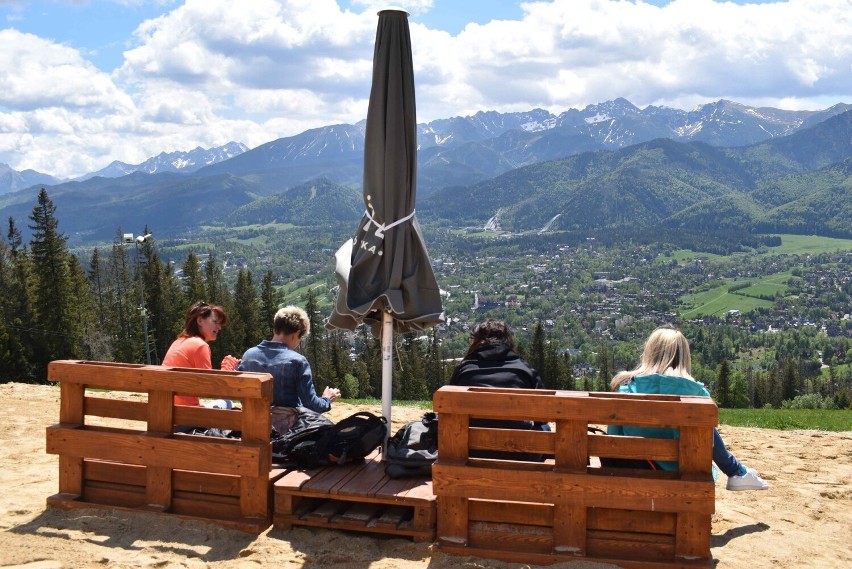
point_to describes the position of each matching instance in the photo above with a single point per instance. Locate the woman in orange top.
(202, 324)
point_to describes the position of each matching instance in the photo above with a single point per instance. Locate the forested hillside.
(768, 316)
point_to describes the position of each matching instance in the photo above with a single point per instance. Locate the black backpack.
(315, 444)
(309, 426)
(413, 448)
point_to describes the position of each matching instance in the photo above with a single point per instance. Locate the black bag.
(309, 427)
(350, 440)
(413, 448)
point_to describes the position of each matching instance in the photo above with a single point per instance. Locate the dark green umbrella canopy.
(385, 266)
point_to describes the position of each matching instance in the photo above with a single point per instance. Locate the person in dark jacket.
(492, 361)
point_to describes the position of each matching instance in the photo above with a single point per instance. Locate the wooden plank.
(573, 489)
(696, 450)
(511, 440)
(142, 378)
(523, 513)
(638, 448)
(608, 519)
(325, 510)
(206, 453)
(361, 512)
(116, 408)
(569, 529)
(294, 480)
(70, 475)
(366, 484)
(207, 417)
(453, 440)
(71, 404)
(256, 421)
(158, 487)
(631, 546)
(692, 538)
(206, 483)
(511, 537)
(595, 408)
(254, 496)
(452, 519)
(572, 446)
(113, 493)
(391, 517)
(331, 478)
(160, 412)
(101, 471)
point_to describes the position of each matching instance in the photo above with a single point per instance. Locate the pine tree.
(313, 349)
(193, 281)
(723, 384)
(536, 356)
(245, 323)
(121, 301)
(269, 300)
(16, 308)
(94, 344)
(218, 293)
(604, 373)
(53, 301)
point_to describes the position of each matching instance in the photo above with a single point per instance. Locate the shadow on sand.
(137, 531)
(722, 540)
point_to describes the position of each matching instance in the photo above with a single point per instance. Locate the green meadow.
(760, 291)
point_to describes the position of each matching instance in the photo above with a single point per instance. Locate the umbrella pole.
(387, 369)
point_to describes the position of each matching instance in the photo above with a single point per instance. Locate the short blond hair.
(291, 319)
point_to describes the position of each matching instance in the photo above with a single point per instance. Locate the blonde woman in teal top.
(666, 367)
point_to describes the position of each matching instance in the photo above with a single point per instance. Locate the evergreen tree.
(362, 374)
(604, 371)
(790, 380)
(164, 301)
(123, 319)
(245, 323)
(96, 278)
(193, 281)
(314, 341)
(269, 301)
(723, 384)
(94, 344)
(16, 308)
(436, 369)
(566, 373)
(53, 300)
(218, 293)
(536, 355)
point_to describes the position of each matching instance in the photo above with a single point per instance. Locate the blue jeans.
(723, 458)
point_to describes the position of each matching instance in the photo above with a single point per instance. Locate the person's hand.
(331, 393)
(229, 363)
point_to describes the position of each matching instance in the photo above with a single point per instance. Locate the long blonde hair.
(666, 351)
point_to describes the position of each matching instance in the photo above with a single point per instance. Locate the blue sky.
(83, 83)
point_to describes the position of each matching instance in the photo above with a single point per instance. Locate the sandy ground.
(804, 520)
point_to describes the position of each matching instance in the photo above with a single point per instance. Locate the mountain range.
(609, 164)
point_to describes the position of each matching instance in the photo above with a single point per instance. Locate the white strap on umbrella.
(381, 228)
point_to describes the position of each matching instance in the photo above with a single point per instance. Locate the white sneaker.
(748, 481)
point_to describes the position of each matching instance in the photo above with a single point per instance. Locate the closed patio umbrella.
(384, 273)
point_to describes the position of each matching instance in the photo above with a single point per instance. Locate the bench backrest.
(568, 505)
(119, 449)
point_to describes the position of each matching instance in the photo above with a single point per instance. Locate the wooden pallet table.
(357, 497)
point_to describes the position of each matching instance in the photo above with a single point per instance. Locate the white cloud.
(210, 71)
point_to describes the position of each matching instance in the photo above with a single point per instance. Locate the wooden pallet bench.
(356, 497)
(568, 507)
(122, 452)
